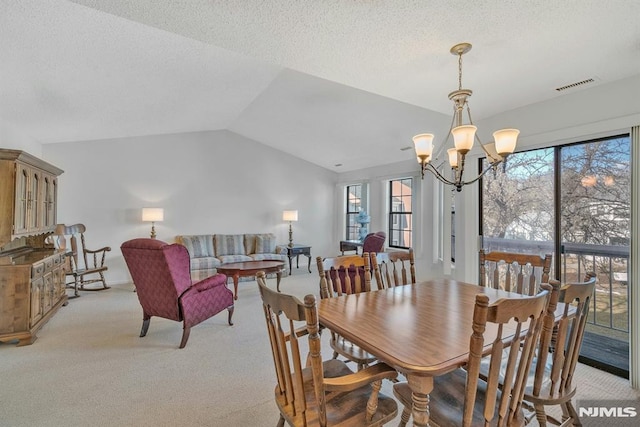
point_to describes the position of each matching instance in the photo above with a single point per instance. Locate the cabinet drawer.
(37, 270)
(48, 264)
(58, 260)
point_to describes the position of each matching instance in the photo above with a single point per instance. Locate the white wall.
(13, 139)
(207, 182)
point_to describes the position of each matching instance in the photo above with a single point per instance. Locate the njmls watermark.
(609, 412)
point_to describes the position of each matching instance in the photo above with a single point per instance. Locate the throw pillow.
(228, 244)
(199, 246)
(265, 243)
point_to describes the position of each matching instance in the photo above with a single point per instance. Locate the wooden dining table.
(421, 330)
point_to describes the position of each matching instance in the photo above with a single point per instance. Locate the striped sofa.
(208, 251)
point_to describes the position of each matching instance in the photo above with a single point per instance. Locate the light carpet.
(90, 367)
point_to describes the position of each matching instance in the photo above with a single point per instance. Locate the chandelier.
(464, 134)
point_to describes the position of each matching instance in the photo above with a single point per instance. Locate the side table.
(350, 245)
(297, 250)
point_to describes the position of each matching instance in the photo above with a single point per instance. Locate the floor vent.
(574, 85)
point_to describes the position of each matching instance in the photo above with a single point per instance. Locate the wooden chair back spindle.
(489, 390)
(345, 275)
(348, 274)
(393, 268)
(559, 350)
(514, 272)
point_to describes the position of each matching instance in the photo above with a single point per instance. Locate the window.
(354, 205)
(572, 201)
(400, 213)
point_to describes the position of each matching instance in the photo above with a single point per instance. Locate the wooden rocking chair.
(81, 262)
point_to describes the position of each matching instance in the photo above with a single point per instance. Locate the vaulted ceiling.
(329, 81)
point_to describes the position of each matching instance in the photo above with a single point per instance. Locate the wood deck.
(605, 353)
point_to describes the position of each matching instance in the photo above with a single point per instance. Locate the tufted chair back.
(160, 272)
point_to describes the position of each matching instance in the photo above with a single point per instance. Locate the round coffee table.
(236, 270)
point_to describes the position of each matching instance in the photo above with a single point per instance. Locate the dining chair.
(558, 353)
(345, 275)
(514, 272)
(462, 397)
(395, 268)
(323, 393)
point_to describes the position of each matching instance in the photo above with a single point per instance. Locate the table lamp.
(152, 215)
(290, 216)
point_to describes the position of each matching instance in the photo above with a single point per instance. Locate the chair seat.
(348, 350)
(82, 272)
(448, 410)
(344, 409)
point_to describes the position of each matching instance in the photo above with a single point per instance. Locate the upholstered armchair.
(374, 242)
(161, 275)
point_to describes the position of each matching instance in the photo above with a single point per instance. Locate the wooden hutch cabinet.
(32, 277)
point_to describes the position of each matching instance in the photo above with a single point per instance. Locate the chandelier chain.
(460, 71)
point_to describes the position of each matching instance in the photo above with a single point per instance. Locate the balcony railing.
(610, 304)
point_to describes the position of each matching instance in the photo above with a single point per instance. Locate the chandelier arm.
(488, 154)
(492, 166)
(477, 138)
(437, 174)
(444, 143)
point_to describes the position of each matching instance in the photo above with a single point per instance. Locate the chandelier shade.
(464, 135)
(506, 140)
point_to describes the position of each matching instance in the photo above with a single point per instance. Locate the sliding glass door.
(572, 201)
(595, 226)
(517, 205)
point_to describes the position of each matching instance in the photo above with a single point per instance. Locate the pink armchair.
(161, 275)
(374, 242)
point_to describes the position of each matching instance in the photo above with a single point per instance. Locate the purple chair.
(374, 242)
(161, 274)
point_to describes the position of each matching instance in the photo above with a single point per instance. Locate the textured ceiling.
(325, 80)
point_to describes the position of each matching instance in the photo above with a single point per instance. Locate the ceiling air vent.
(575, 85)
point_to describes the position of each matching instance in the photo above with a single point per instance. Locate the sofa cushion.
(250, 243)
(226, 259)
(198, 246)
(265, 244)
(228, 244)
(204, 263)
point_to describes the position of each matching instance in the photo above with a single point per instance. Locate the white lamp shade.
(423, 144)
(453, 157)
(152, 214)
(506, 140)
(289, 215)
(463, 137)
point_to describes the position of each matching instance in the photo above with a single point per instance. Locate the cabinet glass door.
(21, 202)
